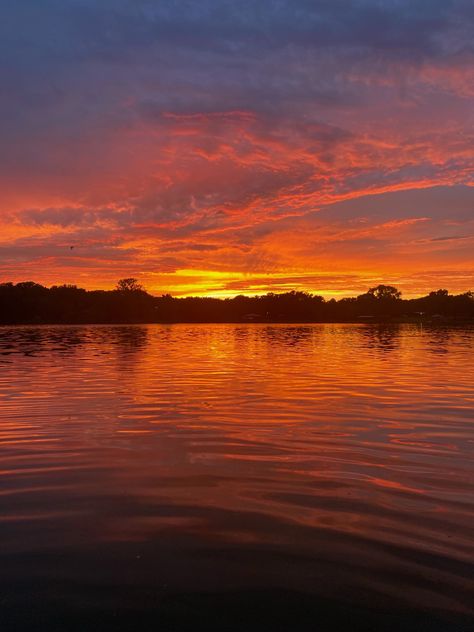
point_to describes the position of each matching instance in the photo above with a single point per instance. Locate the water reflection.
(288, 335)
(382, 337)
(439, 340)
(334, 460)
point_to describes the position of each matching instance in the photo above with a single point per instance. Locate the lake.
(276, 476)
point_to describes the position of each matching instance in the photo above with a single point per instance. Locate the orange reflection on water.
(343, 448)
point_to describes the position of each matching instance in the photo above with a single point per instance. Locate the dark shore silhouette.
(31, 303)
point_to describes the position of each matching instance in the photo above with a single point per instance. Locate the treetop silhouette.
(30, 302)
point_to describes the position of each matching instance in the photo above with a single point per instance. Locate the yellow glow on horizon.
(214, 283)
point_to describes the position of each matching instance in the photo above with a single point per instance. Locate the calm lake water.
(291, 476)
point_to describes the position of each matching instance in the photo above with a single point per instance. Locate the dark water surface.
(281, 477)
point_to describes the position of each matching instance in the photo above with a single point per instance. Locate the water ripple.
(329, 459)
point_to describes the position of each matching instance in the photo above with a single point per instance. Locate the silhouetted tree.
(384, 292)
(438, 294)
(129, 285)
(29, 302)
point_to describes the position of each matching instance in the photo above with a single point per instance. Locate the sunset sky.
(238, 146)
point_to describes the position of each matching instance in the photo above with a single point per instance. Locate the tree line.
(129, 302)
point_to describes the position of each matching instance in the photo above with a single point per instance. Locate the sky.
(221, 147)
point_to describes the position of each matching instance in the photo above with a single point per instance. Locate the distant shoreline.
(29, 303)
(380, 321)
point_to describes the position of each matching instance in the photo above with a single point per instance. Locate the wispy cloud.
(277, 138)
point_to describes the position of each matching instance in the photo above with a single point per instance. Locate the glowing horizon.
(221, 148)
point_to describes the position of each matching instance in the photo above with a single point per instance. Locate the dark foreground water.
(236, 477)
